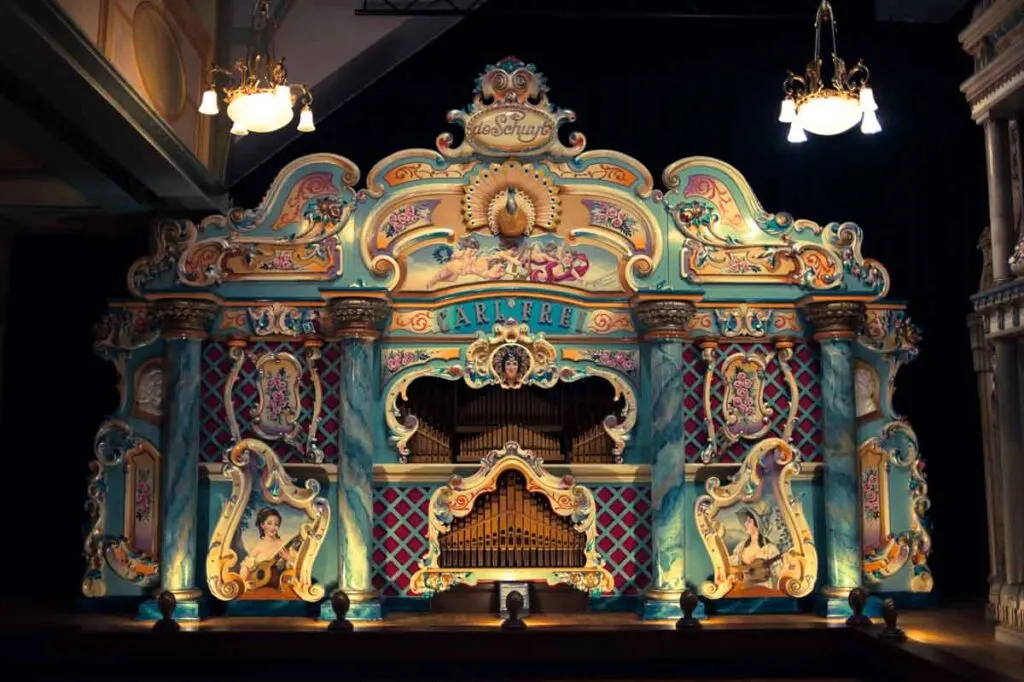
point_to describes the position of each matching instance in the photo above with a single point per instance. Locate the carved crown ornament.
(509, 203)
(664, 317)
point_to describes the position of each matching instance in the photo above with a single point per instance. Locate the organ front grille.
(460, 424)
(512, 528)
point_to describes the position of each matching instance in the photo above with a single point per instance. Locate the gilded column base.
(190, 606)
(664, 605)
(363, 606)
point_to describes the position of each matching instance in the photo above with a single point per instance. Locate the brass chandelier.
(828, 108)
(259, 97)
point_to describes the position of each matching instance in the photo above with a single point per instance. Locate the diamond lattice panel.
(400, 522)
(215, 434)
(624, 535)
(806, 431)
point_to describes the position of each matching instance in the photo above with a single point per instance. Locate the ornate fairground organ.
(506, 360)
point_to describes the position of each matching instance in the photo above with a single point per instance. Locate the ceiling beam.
(64, 80)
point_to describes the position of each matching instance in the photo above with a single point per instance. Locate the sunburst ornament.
(511, 199)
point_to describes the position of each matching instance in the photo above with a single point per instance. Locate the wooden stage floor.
(947, 644)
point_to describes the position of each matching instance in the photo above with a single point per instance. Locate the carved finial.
(858, 600)
(890, 615)
(340, 604)
(166, 602)
(688, 603)
(514, 606)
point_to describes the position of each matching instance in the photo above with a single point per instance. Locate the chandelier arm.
(858, 76)
(211, 76)
(794, 86)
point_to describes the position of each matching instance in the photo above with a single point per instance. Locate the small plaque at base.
(505, 589)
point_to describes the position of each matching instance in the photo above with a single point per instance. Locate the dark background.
(656, 89)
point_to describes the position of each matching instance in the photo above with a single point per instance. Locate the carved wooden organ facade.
(509, 359)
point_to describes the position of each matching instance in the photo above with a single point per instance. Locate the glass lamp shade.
(208, 105)
(829, 114)
(796, 133)
(788, 112)
(867, 100)
(284, 95)
(306, 120)
(870, 125)
(239, 129)
(260, 112)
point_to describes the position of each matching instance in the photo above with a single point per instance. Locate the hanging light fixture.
(821, 108)
(259, 98)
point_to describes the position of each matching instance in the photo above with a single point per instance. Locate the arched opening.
(458, 423)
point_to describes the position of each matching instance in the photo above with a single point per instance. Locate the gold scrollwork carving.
(277, 410)
(567, 498)
(896, 446)
(784, 353)
(511, 357)
(236, 351)
(709, 353)
(253, 464)
(743, 321)
(313, 354)
(773, 553)
(743, 408)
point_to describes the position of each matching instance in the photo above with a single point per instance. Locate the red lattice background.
(400, 523)
(215, 434)
(806, 431)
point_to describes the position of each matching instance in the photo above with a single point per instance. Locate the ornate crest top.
(511, 116)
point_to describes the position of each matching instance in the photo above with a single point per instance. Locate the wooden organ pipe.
(430, 445)
(512, 528)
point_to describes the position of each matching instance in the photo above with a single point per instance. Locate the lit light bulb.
(796, 133)
(788, 112)
(283, 95)
(306, 120)
(867, 100)
(870, 125)
(208, 105)
(239, 129)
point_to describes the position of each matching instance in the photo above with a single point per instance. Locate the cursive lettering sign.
(510, 130)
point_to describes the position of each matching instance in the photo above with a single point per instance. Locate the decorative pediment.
(729, 238)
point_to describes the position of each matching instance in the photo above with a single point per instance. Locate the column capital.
(835, 319)
(185, 317)
(358, 317)
(663, 318)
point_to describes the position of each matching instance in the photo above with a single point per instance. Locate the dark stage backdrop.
(658, 90)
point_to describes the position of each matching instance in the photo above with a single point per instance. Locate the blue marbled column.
(837, 322)
(355, 470)
(180, 479)
(662, 406)
(185, 324)
(356, 321)
(668, 466)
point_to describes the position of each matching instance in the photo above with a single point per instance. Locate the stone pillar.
(1000, 197)
(982, 354)
(1010, 604)
(836, 324)
(357, 322)
(185, 324)
(664, 327)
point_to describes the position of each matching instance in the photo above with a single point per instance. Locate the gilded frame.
(774, 460)
(478, 370)
(456, 500)
(249, 464)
